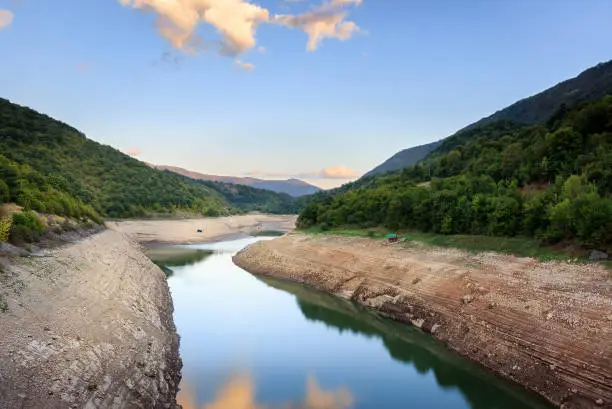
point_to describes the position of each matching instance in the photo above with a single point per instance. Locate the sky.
(323, 90)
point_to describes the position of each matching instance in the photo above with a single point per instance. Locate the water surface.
(251, 343)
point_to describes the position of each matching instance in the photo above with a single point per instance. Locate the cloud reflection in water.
(239, 393)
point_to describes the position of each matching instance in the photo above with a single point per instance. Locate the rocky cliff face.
(88, 325)
(546, 326)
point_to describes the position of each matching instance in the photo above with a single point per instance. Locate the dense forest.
(551, 181)
(50, 167)
(590, 85)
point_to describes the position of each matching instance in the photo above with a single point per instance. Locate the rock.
(418, 322)
(599, 402)
(466, 299)
(434, 328)
(46, 329)
(597, 255)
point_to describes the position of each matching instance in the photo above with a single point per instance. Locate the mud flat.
(87, 325)
(546, 326)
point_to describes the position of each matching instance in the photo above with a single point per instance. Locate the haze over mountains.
(592, 84)
(292, 187)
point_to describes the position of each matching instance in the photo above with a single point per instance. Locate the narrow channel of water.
(252, 343)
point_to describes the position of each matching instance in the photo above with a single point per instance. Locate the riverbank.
(185, 231)
(545, 326)
(87, 325)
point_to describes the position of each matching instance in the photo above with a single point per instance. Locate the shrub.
(26, 228)
(5, 193)
(5, 228)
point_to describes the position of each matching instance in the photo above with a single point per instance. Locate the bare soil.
(87, 325)
(547, 326)
(186, 231)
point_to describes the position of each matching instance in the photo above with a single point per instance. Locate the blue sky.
(415, 71)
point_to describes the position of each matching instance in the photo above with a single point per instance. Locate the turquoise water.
(250, 343)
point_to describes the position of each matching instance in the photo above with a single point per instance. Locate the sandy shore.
(546, 326)
(213, 229)
(87, 325)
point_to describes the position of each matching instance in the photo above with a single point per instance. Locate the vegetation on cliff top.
(552, 182)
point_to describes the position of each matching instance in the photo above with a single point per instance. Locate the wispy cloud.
(237, 21)
(332, 172)
(83, 66)
(338, 172)
(6, 18)
(132, 152)
(245, 65)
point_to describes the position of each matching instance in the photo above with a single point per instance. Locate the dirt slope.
(88, 325)
(546, 326)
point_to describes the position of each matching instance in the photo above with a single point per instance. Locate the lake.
(255, 343)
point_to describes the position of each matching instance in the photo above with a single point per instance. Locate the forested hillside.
(292, 187)
(592, 84)
(50, 167)
(551, 181)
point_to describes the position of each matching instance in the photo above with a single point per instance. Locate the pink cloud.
(132, 152)
(237, 21)
(331, 172)
(6, 18)
(339, 172)
(83, 67)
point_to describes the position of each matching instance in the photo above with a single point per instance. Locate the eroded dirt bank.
(87, 325)
(546, 326)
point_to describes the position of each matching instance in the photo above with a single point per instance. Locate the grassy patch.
(519, 246)
(267, 233)
(375, 233)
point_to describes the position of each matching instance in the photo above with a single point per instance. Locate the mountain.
(404, 158)
(551, 181)
(590, 85)
(51, 167)
(292, 187)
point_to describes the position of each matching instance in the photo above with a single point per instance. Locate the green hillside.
(590, 85)
(552, 181)
(50, 167)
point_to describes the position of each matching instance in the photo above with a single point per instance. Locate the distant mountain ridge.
(292, 187)
(592, 84)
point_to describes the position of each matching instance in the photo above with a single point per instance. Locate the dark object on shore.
(598, 255)
(199, 230)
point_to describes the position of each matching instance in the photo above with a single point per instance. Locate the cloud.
(325, 21)
(6, 18)
(239, 393)
(177, 21)
(83, 67)
(332, 172)
(338, 172)
(245, 65)
(132, 152)
(237, 21)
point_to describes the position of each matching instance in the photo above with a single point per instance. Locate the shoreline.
(545, 326)
(87, 318)
(89, 324)
(184, 231)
